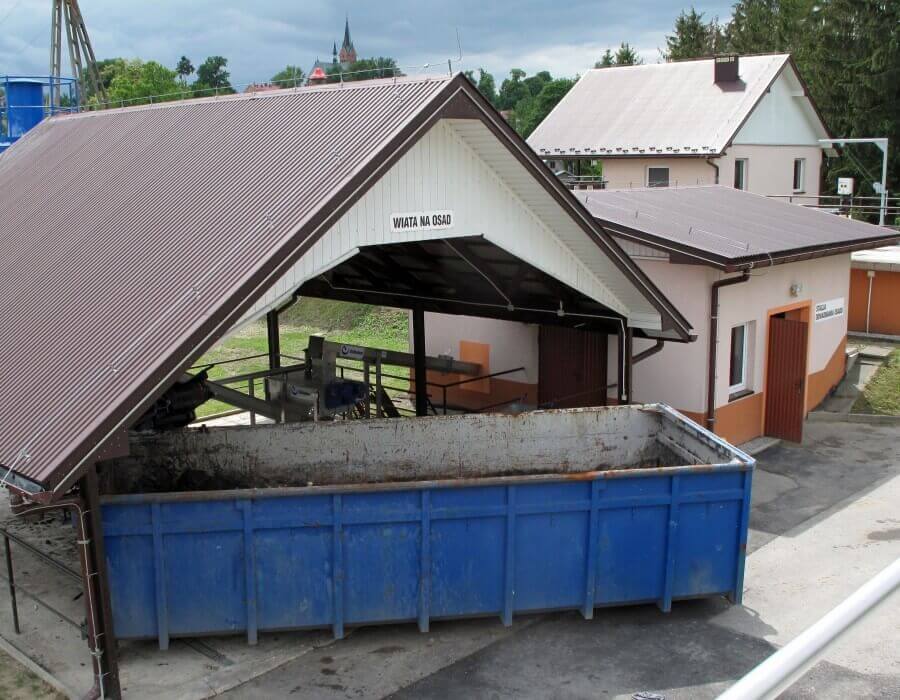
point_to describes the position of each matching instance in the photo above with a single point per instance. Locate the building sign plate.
(827, 310)
(421, 221)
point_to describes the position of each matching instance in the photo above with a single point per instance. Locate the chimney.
(726, 69)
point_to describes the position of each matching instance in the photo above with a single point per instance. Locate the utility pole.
(81, 53)
(882, 144)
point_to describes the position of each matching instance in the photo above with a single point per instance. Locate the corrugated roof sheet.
(130, 240)
(123, 232)
(727, 226)
(655, 109)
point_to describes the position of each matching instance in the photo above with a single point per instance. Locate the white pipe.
(788, 664)
(871, 275)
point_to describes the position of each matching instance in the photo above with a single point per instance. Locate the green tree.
(289, 76)
(184, 68)
(627, 56)
(537, 82)
(531, 111)
(138, 82)
(512, 89)
(212, 77)
(693, 38)
(485, 84)
(607, 60)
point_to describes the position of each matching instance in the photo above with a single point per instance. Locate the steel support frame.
(96, 579)
(418, 317)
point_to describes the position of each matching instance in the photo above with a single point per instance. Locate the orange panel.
(741, 420)
(884, 316)
(480, 354)
(856, 307)
(822, 382)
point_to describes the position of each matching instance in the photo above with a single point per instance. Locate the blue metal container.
(28, 99)
(291, 558)
(25, 105)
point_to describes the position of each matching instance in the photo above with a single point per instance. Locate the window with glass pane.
(799, 174)
(737, 377)
(657, 177)
(740, 174)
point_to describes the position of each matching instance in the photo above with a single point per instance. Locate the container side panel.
(381, 572)
(551, 551)
(467, 566)
(293, 577)
(467, 548)
(205, 583)
(631, 554)
(132, 585)
(706, 554)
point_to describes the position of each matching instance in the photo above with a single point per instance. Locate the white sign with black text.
(421, 221)
(827, 310)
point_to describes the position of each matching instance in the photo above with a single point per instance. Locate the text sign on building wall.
(826, 310)
(421, 221)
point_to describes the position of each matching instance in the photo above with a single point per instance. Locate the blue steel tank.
(27, 101)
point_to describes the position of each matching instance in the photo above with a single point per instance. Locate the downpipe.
(714, 344)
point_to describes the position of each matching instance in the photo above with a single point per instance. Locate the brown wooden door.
(786, 378)
(572, 368)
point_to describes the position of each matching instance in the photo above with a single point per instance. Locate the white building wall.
(512, 344)
(677, 374)
(770, 169)
(821, 279)
(783, 117)
(674, 375)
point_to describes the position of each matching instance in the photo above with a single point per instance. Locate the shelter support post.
(273, 336)
(629, 362)
(419, 352)
(620, 367)
(101, 635)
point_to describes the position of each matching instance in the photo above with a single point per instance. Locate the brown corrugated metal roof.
(130, 240)
(123, 233)
(726, 227)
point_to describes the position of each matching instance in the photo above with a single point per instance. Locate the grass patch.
(341, 322)
(882, 393)
(18, 683)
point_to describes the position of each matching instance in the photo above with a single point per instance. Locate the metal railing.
(781, 670)
(362, 373)
(16, 588)
(866, 208)
(583, 182)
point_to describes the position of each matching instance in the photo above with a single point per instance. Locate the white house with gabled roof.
(742, 121)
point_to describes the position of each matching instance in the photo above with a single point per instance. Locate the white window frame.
(745, 165)
(744, 384)
(659, 167)
(802, 183)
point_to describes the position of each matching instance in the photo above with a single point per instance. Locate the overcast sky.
(261, 36)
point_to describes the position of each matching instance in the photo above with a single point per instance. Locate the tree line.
(848, 52)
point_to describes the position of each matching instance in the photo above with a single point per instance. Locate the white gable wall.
(443, 172)
(784, 117)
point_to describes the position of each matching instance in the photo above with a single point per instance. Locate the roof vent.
(726, 69)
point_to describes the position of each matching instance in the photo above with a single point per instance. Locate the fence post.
(12, 585)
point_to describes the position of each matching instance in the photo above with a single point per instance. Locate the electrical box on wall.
(845, 185)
